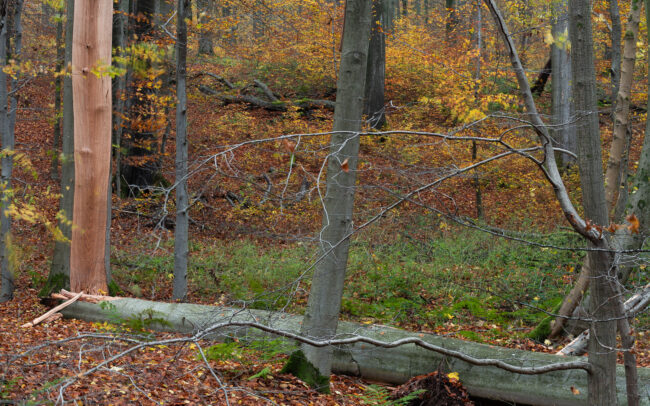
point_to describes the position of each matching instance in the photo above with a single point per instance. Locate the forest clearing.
(312, 202)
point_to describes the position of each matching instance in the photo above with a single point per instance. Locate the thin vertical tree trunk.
(59, 276)
(92, 129)
(613, 179)
(58, 87)
(452, 17)
(205, 9)
(120, 28)
(376, 70)
(615, 69)
(602, 344)
(181, 248)
(7, 286)
(321, 316)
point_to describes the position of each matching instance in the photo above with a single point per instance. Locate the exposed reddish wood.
(64, 294)
(52, 311)
(91, 85)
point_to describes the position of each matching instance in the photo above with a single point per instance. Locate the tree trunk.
(564, 131)
(390, 365)
(7, 286)
(376, 70)
(139, 167)
(120, 28)
(92, 129)
(58, 87)
(321, 316)
(452, 17)
(181, 230)
(205, 9)
(613, 179)
(602, 345)
(615, 33)
(60, 270)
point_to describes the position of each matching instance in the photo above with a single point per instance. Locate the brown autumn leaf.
(613, 227)
(345, 166)
(289, 145)
(634, 224)
(575, 391)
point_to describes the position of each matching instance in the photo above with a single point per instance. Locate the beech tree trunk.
(615, 33)
(322, 313)
(620, 141)
(376, 70)
(181, 248)
(602, 345)
(563, 131)
(60, 270)
(91, 49)
(205, 9)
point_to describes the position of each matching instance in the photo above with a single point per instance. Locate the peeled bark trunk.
(92, 128)
(602, 345)
(181, 248)
(321, 316)
(60, 270)
(613, 179)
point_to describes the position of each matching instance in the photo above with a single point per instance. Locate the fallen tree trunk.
(391, 365)
(277, 105)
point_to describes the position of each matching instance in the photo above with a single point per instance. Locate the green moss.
(114, 289)
(542, 330)
(301, 368)
(55, 282)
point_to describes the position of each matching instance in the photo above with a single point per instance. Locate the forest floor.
(34, 361)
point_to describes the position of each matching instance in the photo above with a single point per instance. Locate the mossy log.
(395, 365)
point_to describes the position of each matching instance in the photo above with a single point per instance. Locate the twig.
(52, 311)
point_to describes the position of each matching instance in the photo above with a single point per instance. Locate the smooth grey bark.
(60, 268)
(181, 248)
(602, 345)
(58, 88)
(390, 365)
(616, 32)
(322, 313)
(563, 131)
(376, 70)
(7, 285)
(120, 32)
(11, 37)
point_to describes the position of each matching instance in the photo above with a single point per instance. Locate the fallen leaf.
(345, 166)
(575, 390)
(634, 224)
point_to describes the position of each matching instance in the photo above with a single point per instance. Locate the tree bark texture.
(321, 316)
(615, 70)
(205, 9)
(181, 248)
(7, 285)
(61, 255)
(620, 141)
(390, 365)
(376, 71)
(563, 130)
(602, 345)
(92, 128)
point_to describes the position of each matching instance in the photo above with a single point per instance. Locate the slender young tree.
(322, 314)
(614, 179)
(181, 230)
(59, 276)
(91, 53)
(10, 48)
(615, 32)
(376, 71)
